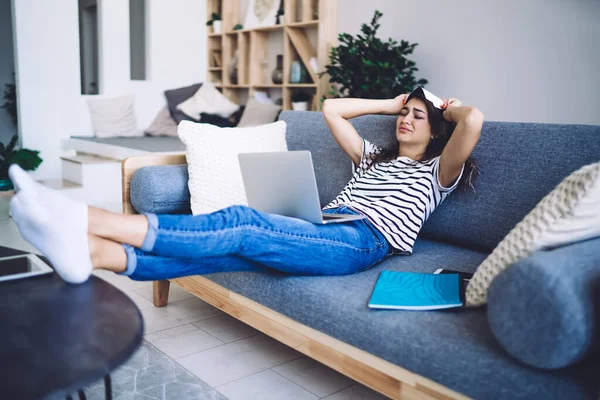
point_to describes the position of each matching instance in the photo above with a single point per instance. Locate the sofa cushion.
(519, 164)
(160, 190)
(258, 113)
(177, 96)
(162, 125)
(208, 100)
(545, 309)
(452, 347)
(216, 120)
(113, 116)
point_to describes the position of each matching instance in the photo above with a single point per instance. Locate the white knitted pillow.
(112, 117)
(215, 179)
(570, 213)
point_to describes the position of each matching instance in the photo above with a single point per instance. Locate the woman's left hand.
(447, 107)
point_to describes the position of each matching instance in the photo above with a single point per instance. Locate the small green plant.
(214, 17)
(367, 67)
(301, 96)
(279, 13)
(238, 27)
(25, 158)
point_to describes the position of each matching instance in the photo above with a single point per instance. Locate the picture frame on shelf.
(261, 13)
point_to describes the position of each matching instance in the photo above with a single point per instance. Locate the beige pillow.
(113, 117)
(163, 124)
(207, 100)
(258, 113)
(568, 214)
(215, 179)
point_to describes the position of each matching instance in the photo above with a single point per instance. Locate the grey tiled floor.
(194, 351)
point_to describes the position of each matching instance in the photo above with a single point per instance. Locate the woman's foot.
(73, 213)
(57, 235)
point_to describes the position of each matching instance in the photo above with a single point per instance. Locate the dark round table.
(56, 338)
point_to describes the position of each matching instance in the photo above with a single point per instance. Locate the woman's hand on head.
(399, 103)
(448, 106)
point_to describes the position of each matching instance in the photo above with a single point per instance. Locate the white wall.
(51, 104)
(7, 129)
(534, 60)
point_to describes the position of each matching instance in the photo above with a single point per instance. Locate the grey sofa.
(455, 353)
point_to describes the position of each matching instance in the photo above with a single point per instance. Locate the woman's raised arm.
(469, 121)
(337, 112)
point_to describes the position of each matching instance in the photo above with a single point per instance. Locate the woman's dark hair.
(442, 131)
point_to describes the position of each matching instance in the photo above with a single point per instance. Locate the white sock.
(64, 245)
(73, 212)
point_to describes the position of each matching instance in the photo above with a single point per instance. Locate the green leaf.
(12, 143)
(26, 159)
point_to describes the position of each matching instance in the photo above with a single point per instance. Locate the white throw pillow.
(112, 117)
(215, 179)
(568, 214)
(208, 100)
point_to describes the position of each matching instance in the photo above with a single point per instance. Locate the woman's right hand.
(399, 103)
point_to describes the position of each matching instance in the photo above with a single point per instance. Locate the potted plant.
(279, 18)
(215, 22)
(300, 100)
(367, 67)
(25, 158)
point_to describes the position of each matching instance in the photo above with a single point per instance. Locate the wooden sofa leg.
(160, 293)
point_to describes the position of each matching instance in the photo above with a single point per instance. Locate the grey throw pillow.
(178, 96)
(257, 113)
(163, 124)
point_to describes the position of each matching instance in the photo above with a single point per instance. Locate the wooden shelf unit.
(307, 30)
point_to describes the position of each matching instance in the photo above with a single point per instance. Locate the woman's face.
(412, 126)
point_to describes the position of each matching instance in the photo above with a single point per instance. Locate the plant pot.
(217, 26)
(5, 185)
(302, 106)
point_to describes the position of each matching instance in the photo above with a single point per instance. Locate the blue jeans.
(239, 238)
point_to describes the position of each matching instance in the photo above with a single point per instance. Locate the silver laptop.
(284, 183)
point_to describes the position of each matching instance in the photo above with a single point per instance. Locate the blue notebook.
(412, 291)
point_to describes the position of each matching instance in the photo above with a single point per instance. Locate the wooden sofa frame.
(374, 372)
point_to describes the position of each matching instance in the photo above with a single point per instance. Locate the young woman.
(396, 189)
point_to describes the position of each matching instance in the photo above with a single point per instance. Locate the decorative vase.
(233, 70)
(5, 185)
(300, 106)
(217, 26)
(277, 75)
(298, 73)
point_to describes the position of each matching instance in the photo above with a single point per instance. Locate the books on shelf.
(216, 58)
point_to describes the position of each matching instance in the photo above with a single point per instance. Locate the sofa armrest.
(132, 164)
(545, 310)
